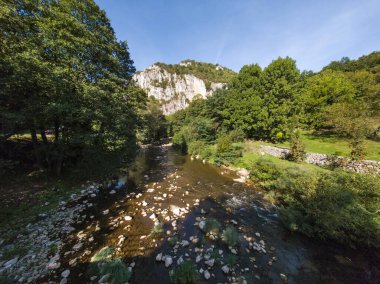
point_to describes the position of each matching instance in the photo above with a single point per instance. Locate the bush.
(196, 148)
(103, 263)
(157, 230)
(185, 273)
(237, 135)
(338, 205)
(297, 148)
(224, 144)
(118, 271)
(264, 170)
(211, 226)
(173, 240)
(230, 236)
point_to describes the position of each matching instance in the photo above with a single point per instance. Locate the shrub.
(230, 236)
(173, 240)
(338, 205)
(224, 144)
(196, 148)
(118, 271)
(185, 273)
(264, 170)
(102, 263)
(358, 149)
(297, 148)
(157, 230)
(103, 254)
(231, 260)
(211, 226)
(179, 142)
(237, 135)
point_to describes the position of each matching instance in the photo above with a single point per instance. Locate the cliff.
(176, 85)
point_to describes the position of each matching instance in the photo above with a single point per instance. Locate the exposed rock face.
(174, 91)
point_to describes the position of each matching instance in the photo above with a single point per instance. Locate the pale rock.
(210, 262)
(168, 261)
(225, 269)
(65, 273)
(127, 218)
(153, 79)
(159, 257)
(206, 274)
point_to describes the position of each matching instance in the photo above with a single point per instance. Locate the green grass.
(185, 273)
(230, 236)
(329, 144)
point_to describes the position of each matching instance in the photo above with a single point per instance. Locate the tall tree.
(62, 68)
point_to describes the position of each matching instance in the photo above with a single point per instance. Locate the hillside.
(176, 85)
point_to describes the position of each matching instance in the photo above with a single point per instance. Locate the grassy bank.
(318, 202)
(329, 144)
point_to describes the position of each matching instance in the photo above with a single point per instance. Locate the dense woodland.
(63, 73)
(275, 102)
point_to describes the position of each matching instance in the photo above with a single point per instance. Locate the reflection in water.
(166, 187)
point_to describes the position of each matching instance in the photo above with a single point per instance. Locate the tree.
(280, 100)
(354, 121)
(62, 68)
(154, 124)
(323, 90)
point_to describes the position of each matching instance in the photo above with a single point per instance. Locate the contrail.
(224, 40)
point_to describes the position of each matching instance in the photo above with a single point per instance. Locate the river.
(181, 192)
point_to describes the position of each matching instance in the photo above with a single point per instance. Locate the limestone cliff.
(175, 86)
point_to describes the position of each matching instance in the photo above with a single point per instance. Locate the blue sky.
(238, 32)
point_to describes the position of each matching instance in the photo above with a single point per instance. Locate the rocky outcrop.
(174, 91)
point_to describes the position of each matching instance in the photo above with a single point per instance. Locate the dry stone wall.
(366, 166)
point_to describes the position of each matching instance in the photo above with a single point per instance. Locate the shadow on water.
(162, 179)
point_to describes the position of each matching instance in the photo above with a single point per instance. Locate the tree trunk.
(37, 152)
(56, 132)
(44, 138)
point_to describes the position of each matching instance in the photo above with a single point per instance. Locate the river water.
(181, 192)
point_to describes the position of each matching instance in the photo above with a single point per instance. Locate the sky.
(234, 33)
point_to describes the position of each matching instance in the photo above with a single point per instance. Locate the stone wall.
(366, 166)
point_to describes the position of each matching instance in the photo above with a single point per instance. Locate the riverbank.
(303, 192)
(170, 214)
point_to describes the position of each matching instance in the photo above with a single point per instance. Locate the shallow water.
(162, 181)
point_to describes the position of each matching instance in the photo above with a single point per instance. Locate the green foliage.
(224, 144)
(212, 226)
(196, 148)
(230, 236)
(368, 62)
(118, 271)
(103, 254)
(173, 240)
(185, 273)
(231, 260)
(323, 90)
(103, 263)
(354, 121)
(205, 71)
(157, 230)
(62, 69)
(328, 205)
(237, 135)
(153, 123)
(265, 170)
(297, 147)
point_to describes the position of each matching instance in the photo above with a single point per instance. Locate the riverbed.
(153, 215)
